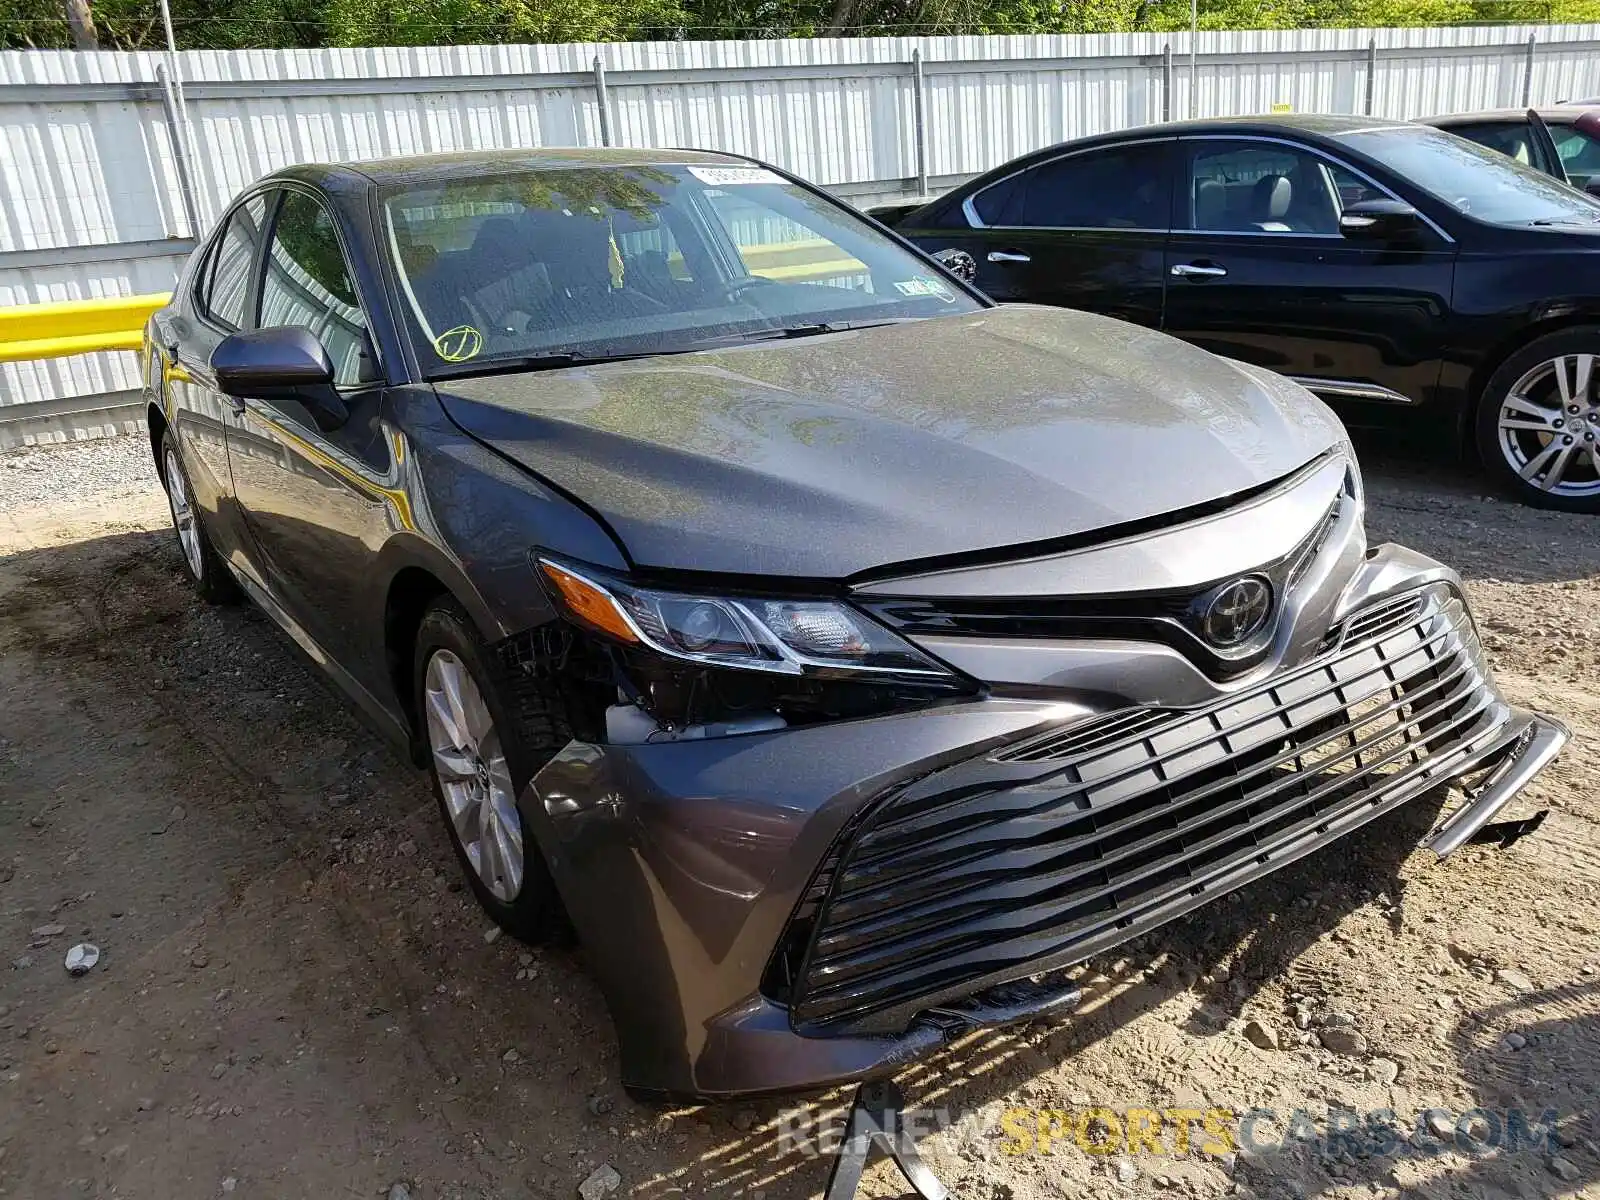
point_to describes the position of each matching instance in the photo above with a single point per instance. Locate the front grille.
(1076, 839)
(1174, 618)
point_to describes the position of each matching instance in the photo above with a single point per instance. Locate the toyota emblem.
(1236, 612)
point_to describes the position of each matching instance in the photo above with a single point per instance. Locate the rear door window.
(1120, 187)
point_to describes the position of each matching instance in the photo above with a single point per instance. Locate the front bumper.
(792, 910)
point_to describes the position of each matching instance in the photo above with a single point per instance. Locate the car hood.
(829, 455)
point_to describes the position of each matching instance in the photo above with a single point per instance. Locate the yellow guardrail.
(65, 327)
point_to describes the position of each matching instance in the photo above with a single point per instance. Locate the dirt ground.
(296, 997)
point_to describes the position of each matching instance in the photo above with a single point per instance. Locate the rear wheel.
(1538, 422)
(210, 578)
(480, 763)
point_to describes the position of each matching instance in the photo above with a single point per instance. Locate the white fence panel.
(91, 201)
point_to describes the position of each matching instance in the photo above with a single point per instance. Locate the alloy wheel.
(1549, 426)
(474, 777)
(183, 518)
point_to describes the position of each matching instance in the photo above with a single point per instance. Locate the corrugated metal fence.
(101, 193)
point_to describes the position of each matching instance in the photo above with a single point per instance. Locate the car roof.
(1558, 113)
(420, 170)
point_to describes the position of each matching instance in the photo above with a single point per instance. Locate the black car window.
(1514, 140)
(1261, 187)
(307, 283)
(1121, 187)
(1001, 203)
(1579, 150)
(1472, 179)
(227, 284)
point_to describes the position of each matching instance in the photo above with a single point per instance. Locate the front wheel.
(480, 763)
(1538, 422)
(200, 558)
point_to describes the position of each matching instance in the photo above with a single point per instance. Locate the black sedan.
(1563, 140)
(1409, 277)
(845, 655)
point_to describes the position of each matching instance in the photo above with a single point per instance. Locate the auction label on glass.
(726, 176)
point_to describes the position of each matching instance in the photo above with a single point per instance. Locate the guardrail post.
(180, 149)
(1372, 72)
(919, 100)
(605, 101)
(1527, 71)
(1166, 82)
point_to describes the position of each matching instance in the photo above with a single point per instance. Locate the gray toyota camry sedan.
(840, 655)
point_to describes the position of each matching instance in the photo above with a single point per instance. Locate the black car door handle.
(1199, 271)
(1012, 256)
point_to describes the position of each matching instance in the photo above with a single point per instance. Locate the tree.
(82, 22)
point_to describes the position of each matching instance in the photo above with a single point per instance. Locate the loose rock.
(1513, 979)
(1383, 1071)
(1343, 1040)
(1513, 1041)
(1563, 1169)
(602, 1182)
(1258, 1033)
(399, 1191)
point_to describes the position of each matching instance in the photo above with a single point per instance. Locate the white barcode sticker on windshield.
(921, 285)
(726, 176)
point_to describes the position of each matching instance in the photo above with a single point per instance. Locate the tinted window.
(1264, 187)
(1001, 203)
(1472, 179)
(1125, 187)
(1579, 150)
(228, 283)
(1514, 141)
(307, 283)
(638, 260)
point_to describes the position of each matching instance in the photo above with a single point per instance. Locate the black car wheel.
(200, 559)
(480, 763)
(1538, 422)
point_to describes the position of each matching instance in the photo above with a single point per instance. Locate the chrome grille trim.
(1058, 843)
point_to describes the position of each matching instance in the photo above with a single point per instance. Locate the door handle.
(1008, 256)
(1198, 271)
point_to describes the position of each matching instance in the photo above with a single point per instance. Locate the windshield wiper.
(1544, 221)
(532, 362)
(805, 329)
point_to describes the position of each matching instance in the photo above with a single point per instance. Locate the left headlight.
(781, 635)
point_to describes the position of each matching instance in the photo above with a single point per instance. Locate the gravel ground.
(105, 468)
(296, 997)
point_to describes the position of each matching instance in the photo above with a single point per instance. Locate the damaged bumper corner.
(1532, 747)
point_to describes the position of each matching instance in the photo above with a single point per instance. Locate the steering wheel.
(739, 287)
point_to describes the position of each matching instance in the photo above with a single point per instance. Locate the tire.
(1538, 422)
(200, 559)
(480, 760)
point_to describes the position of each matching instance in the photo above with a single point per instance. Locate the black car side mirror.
(283, 362)
(959, 263)
(1382, 221)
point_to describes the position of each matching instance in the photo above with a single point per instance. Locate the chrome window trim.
(970, 211)
(1349, 389)
(1318, 152)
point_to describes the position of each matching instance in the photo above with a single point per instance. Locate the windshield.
(1480, 182)
(610, 261)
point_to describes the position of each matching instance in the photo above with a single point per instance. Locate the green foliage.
(241, 24)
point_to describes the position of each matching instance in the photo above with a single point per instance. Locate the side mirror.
(284, 362)
(959, 263)
(1592, 185)
(1382, 221)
